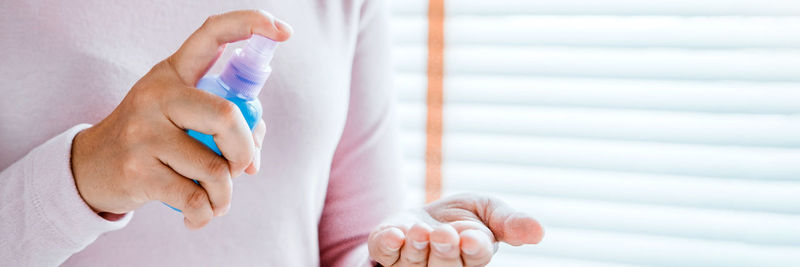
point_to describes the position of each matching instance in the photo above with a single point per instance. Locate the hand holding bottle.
(141, 152)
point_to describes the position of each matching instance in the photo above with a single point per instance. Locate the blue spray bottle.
(240, 82)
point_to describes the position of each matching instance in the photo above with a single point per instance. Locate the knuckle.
(210, 20)
(196, 200)
(217, 168)
(143, 96)
(415, 258)
(138, 195)
(133, 175)
(228, 112)
(261, 15)
(131, 167)
(148, 88)
(133, 131)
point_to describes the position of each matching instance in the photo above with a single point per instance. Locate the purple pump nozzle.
(248, 68)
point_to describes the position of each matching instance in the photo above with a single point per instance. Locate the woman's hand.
(140, 152)
(461, 230)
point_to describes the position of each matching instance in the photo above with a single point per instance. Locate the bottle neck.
(246, 73)
(241, 82)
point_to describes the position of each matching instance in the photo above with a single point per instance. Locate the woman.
(320, 183)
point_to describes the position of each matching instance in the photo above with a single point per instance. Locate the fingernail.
(390, 247)
(443, 248)
(283, 26)
(420, 245)
(470, 251)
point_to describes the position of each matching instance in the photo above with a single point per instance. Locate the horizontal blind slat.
(758, 163)
(700, 96)
(651, 63)
(609, 186)
(608, 7)
(751, 227)
(608, 31)
(635, 125)
(654, 250)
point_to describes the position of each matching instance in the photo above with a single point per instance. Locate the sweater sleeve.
(364, 185)
(43, 219)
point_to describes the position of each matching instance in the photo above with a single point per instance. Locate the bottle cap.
(248, 69)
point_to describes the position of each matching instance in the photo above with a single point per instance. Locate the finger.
(444, 247)
(476, 248)
(182, 193)
(254, 166)
(192, 159)
(508, 225)
(205, 45)
(465, 225)
(259, 131)
(190, 108)
(415, 248)
(468, 229)
(384, 245)
(258, 137)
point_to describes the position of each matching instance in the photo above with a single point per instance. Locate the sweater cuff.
(55, 195)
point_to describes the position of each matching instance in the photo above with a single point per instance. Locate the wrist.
(78, 160)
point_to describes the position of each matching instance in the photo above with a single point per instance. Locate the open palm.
(461, 230)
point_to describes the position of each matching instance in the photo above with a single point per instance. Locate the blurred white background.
(639, 132)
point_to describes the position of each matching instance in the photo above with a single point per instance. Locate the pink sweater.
(329, 161)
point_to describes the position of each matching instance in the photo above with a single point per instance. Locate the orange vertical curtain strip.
(433, 149)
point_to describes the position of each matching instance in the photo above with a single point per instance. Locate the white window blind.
(660, 132)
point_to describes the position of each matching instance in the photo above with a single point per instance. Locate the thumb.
(508, 225)
(205, 45)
